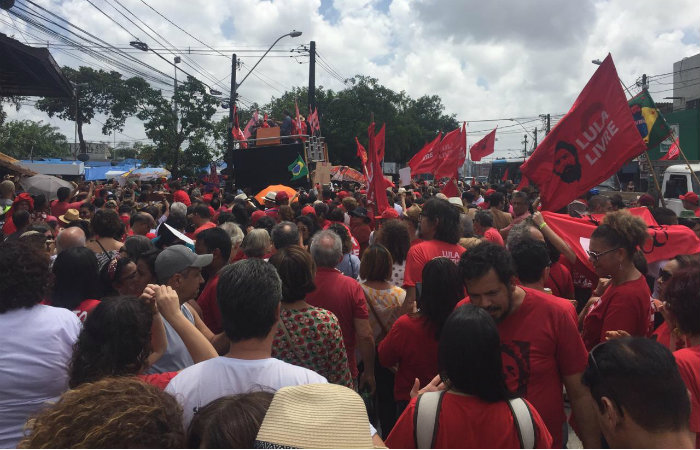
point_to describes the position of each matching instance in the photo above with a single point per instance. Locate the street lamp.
(293, 34)
(597, 62)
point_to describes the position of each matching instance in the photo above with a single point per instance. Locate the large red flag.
(484, 147)
(452, 152)
(377, 184)
(450, 189)
(314, 123)
(299, 126)
(424, 161)
(673, 152)
(589, 144)
(664, 242)
(236, 130)
(361, 152)
(379, 142)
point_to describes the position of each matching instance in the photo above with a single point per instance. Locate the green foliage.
(22, 139)
(13, 101)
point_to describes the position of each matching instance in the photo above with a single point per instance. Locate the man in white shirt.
(249, 294)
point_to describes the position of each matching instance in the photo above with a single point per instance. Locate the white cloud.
(484, 59)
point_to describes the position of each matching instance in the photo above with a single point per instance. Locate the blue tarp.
(99, 173)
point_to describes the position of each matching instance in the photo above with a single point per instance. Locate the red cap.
(489, 192)
(342, 194)
(257, 215)
(208, 197)
(363, 192)
(690, 197)
(308, 209)
(389, 213)
(281, 196)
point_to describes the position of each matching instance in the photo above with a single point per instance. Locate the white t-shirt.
(208, 380)
(35, 349)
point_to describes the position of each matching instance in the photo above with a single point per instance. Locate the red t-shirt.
(663, 336)
(182, 197)
(411, 344)
(159, 380)
(420, 254)
(625, 307)
(344, 297)
(536, 358)
(206, 226)
(560, 281)
(211, 314)
(688, 360)
(85, 308)
(494, 236)
(469, 422)
(60, 208)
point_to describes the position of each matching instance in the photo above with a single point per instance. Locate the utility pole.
(312, 75)
(548, 123)
(232, 103)
(524, 142)
(176, 61)
(644, 81)
(534, 144)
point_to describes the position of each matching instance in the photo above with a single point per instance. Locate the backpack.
(427, 417)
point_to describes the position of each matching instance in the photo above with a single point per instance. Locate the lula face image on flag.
(298, 168)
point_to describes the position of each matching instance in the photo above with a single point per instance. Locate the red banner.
(451, 152)
(424, 161)
(379, 143)
(589, 144)
(664, 242)
(450, 189)
(377, 184)
(236, 130)
(673, 152)
(484, 147)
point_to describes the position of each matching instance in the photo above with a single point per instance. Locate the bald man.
(69, 238)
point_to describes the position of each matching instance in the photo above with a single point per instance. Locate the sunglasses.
(664, 275)
(594, 256)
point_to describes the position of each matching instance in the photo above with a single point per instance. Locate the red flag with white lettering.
(589, 144)
(484, 147)
(424, 161)
(673, 152)
(452, 152)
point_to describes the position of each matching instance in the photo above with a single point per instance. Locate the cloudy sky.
(487, 60)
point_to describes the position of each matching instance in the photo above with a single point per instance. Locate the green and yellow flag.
(298, 168)
(650, 123)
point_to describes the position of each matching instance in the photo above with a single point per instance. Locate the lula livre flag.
(452, 152)
(298, 168)
(650, 123)
(425, 161)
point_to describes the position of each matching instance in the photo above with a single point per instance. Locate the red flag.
(361, 152)
(589, 144)
(265, 124)
(484, 147)
(247, 132)
(424, 161)
(379, 140)
(314, 123)
(377, 184)
(298, 125)
(673, 152)
(236, 130)
(505, 175)
(664, 241)
(450, 189)
(523, 182)
(452, 152)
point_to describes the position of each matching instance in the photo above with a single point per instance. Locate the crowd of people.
(176, 314)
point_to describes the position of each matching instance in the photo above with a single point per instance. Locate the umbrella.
(345, 173)
(44, 184)
(148, 173)
(260, 196)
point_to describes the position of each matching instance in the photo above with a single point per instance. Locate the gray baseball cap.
(177, 258)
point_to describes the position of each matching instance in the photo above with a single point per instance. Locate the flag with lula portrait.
(298, 168)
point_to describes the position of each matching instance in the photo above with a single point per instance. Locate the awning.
(30, 71)
(12, 165)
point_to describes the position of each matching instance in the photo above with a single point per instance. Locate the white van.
(677, 181)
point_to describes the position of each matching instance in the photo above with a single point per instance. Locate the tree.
(25, 139)
(14, 101)
(192, 127)
(98, 92)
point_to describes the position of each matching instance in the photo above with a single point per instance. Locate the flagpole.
(687, 163)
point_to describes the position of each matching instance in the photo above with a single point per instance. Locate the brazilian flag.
(298, 168)
(649, 121)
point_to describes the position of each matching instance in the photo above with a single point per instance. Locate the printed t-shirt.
(688, 360)
(560, 281)
(211, 314)
(344, 297)
(536, 358)
(60, 208)
(159, 380)
(385, 303)
(182, 197)
(469, 422)
(411, 344)
(494, 236)
(214, 378)
(419, 255)
(625, 307)
(84, 308)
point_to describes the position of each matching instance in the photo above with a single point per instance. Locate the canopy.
(260, 196)
(148, 174)
(345, 173)
(44, 184)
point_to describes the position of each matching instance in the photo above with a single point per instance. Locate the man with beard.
(566, 164)
(540, 343)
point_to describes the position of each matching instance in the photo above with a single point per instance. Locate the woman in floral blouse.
(307, 336)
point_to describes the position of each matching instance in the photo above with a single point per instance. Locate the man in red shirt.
(541, 346)
(521, 211)
(344, 297)
(439, 226)
(201, 219)
(179, 195)
(61, 205)
(691, 202)
(216, 242)
(483, 226)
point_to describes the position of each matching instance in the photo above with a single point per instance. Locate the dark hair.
(342, 232)
(214, 238)
(136, 245)
(98, 202)
(76, 278)
(484, 218)
(124, 208)
(248, 294)
(336, 215)
(321, 208)
(442, 290)
(25, 275)
(469, 355)
(622, 229)
(201, 210)
(20, 218)
(597, 201)
(115, 341)
(664, 216)
(395, 237)
(266, 223)
(531, 257)
(376, 264)
(480, 259)
(682, 292)
(149, 258)
(62, 193)
(296, 269)
(617, 202)
(284, 234)
(108, 274)
(229, 422)
(106, 223)
(140, 217)
(240, 214)
(448, 229)
(621, 369)
(495, 199)
(88, 206)
(311, 225)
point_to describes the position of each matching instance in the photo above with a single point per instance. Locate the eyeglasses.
(596, 256)
(664, 275)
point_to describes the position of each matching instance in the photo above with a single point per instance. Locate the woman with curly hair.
(626, 303)
(76, 281)
(395, 237)
(110, 413)
(124, 336)
(107, 231)
(37, 340)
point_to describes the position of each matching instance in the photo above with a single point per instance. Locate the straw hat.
(315, 416)
(70, 216)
